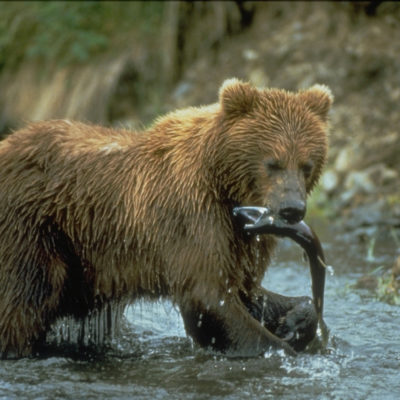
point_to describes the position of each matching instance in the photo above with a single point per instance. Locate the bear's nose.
(293, 212)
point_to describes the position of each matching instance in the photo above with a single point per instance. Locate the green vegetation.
(388, 289)
(383, 283)
(393, 199)
(320, 205)
(386, 283)
(71, 31)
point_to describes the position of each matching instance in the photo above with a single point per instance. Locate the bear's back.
(67, 138)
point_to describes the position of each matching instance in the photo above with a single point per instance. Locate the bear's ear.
(236, 97)
(319, 99)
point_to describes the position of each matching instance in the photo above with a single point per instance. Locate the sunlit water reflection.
(153, 359)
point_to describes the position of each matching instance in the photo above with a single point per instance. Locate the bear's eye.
(273, 165)
(307, 168)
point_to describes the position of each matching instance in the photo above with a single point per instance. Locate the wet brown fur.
(90, 214)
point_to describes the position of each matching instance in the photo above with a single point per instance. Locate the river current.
(152, 358)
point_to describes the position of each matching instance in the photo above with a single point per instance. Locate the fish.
(260, 220)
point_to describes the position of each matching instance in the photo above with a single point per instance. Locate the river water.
(153, 359)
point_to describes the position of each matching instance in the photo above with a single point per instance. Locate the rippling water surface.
(153, 358)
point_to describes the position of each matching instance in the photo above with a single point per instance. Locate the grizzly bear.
(91, 215)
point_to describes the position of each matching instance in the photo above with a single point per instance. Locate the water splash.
(330, 270)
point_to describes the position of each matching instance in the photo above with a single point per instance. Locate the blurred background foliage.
(73, 31)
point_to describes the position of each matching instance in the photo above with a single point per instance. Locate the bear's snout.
(293, 211)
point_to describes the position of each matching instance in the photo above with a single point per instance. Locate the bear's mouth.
(260, 220)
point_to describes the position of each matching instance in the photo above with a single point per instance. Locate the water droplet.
(213, 340)
(330, 270)
(199, 323)
(258, 238)
(222, 302)
(229, 290)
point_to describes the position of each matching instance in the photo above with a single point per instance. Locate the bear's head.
(274, 145)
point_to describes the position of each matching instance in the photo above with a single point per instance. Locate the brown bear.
(91, 215)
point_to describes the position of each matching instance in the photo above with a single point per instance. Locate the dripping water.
(99, 328)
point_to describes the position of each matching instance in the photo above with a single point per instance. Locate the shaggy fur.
(90, 215)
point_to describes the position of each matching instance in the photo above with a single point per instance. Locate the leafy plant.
(69, 31)
(388, 289)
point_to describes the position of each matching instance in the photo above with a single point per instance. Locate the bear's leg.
(293, 319)
(48, 283)
(230, 328)
(29, 305)
(21, 330)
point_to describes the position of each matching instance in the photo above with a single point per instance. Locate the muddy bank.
(353, 50)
